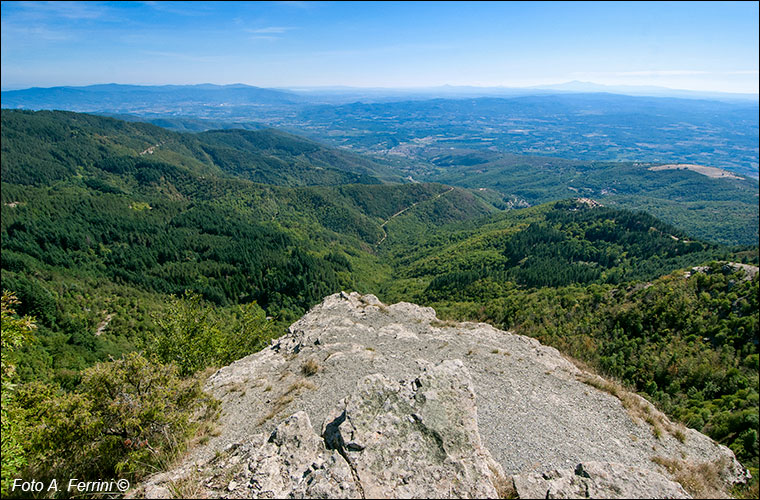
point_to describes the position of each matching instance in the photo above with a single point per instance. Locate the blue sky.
(687, 45)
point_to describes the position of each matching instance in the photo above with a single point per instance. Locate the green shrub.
(193, 335)
(127, 418)
(14, 332)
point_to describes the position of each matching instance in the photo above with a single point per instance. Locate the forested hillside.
(196, 249)
(41, 147)
(556, 244)
(86, 212)
(687, 199)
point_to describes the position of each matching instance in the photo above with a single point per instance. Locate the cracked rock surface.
(361, 399)
(598, 480)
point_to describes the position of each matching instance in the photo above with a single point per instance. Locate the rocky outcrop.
(597, 480)
(410, 439)
(410, 406)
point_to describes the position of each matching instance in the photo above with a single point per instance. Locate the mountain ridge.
(118, 96)
(270, 156)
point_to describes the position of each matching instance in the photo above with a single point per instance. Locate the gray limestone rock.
(408, 405)
(295, 463)
(416, 438)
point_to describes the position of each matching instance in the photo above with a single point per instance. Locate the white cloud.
(21, 32)
(669, 72)
(299, 5)
(68, 10)
(194, 9)
(183, 57)
(272, 29)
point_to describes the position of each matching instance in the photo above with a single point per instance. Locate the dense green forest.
(137, 254)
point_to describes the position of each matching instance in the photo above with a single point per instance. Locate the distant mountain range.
(138, 98)
(648, 90)
(349, 94)
(114, 97)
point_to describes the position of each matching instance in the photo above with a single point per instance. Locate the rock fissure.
(331, 434)
(333, 440)
(357, 480)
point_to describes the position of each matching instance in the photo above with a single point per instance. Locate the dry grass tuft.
(203, 433)
(603, 385)
(240, 387)
(703, 480)
(504, 486)
(296, 387)
(310, 367)
(286, 398)
(189, 486)
(276, 408)
(680, 435)
(638, 408)
(443, 324)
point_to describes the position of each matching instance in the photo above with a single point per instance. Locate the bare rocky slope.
(361, 399)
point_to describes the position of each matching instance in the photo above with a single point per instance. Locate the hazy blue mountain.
(133, 98)
(343, 94)
(646, 90)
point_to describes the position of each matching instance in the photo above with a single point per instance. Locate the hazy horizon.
(693, 46)
(465, 91)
